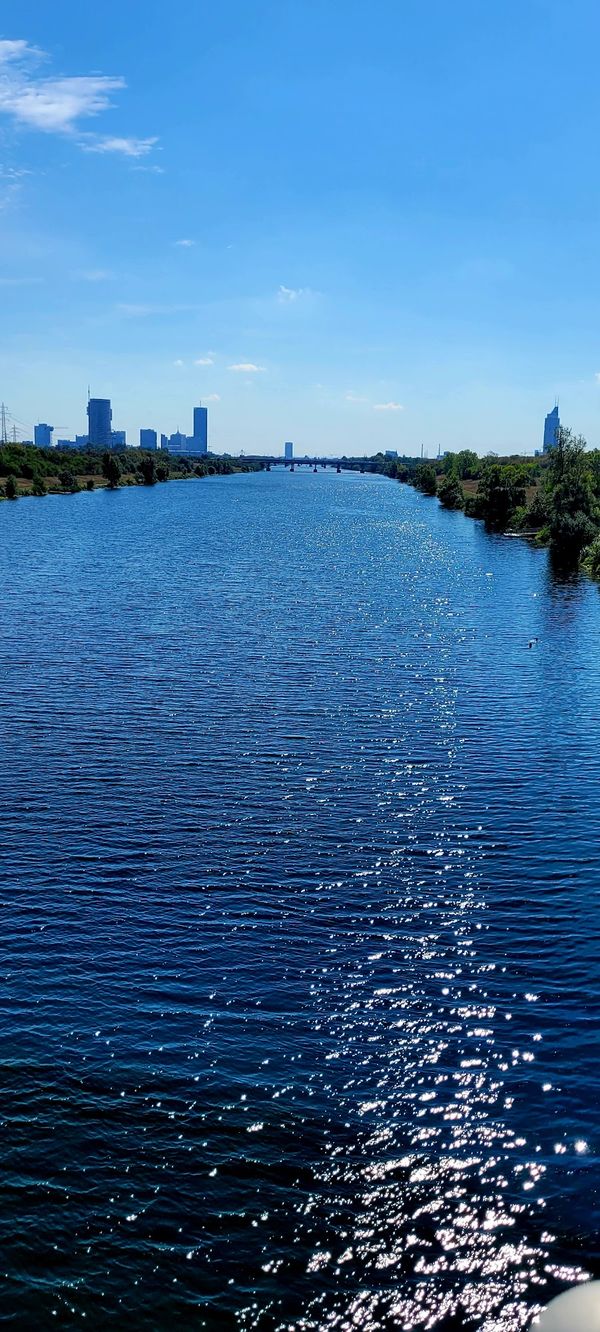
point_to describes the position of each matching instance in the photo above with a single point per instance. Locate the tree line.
(554, 498)
(68, 471)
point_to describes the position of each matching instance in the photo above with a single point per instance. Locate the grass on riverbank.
(26, 470)
(554, 498)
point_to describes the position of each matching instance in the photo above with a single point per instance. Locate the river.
(299, 961)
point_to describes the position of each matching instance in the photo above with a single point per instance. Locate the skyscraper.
(199, 441)
(288, 451)
(99, 418)
(147, 439)
(42, 435)
(178, 443)
(551, 429)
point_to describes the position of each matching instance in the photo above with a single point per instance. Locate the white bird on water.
(578, 1310)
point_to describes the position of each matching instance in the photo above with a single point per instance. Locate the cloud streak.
(58, 105)
(388, 407)
(247, 368)
(126, 147)
(289, 295)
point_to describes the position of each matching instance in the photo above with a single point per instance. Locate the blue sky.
(390, 213)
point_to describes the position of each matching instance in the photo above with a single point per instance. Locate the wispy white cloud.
(388, 407)
(179, 363)
(355, 397)
(20, 281)
(151, 169)
(289, 295)
(11, 179)
(597, 376)
(19, 50)
(126, 147)
(94, 275)
(58, 105)
(186, 243)
(204, 360)
(212, 397)
(247, 368)
(147, 311)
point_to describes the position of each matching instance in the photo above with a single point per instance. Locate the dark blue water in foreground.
(299, 951)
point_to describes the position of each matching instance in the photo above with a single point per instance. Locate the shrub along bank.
(555, 499)
(26, 470)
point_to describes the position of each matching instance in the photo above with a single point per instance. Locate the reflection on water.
(301, 992)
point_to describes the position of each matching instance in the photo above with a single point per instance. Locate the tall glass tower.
(200, 437)
(99, 422)
(551, 429)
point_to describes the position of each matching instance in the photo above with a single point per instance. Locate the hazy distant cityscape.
(101, 434)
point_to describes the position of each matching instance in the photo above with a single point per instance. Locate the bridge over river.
(314, 463)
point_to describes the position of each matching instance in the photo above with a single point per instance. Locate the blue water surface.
(299, 887)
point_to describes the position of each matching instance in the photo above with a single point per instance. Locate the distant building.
(391, 453)
(42, 435)
(164, 443)
(66, 444)
(82, 442)
(178, 443)
(118, 439)
(147, 439)
(99, 418)
(551, 429)
(288, 451)
(199, 440)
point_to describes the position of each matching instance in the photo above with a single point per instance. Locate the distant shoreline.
(27, 472)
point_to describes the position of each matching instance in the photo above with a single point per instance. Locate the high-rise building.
(118, 439)
(288, 451)
(42, 435)
(99, 419)
(551, 429)
(81, 441)
(178, 443)
(147, 439)
(164, 443)
(199, 441)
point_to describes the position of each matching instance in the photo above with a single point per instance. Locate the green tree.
(162, 472)
(148, 470)
(111, 470)
(68, 480)
(425, 479)
(591, 558)
(500, 493)
(450, 493)
(39, 486)
(10, 489)
(467, 465)
(573, 511)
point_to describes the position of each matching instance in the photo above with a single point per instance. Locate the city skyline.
(366, 272)
(102, 435)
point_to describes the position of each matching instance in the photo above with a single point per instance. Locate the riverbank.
(26, 471)
(553, 500)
